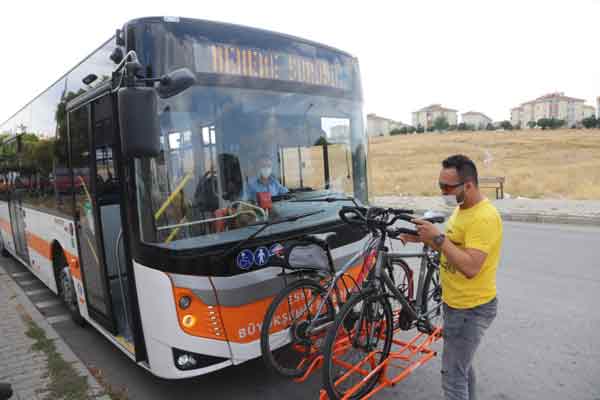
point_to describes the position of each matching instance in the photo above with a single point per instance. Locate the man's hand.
(409, 238)
(427, 230)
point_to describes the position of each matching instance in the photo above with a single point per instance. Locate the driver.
(264, 181)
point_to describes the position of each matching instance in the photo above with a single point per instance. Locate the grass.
(561, 164)
(65, 382)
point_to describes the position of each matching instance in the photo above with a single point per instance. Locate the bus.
(124, 186)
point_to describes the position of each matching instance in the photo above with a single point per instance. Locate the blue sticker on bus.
(261, 256)
(276, 249)
(245, 259)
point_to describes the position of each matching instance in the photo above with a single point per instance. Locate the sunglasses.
(447, 186)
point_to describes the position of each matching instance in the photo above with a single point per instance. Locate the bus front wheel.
(69, 296)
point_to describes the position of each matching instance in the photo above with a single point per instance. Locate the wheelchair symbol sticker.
(245, 259)
(261, 256)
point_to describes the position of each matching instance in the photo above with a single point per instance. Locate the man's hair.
(464, 166)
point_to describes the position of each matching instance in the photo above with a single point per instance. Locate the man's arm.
(280, 188)
(467, 261)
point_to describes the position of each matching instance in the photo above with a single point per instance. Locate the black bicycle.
(361, 335)
(297, 319)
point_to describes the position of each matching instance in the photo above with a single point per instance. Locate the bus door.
(17, 219)
(100, 233)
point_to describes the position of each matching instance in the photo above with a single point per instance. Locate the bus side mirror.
(175, 82)
(138, 122)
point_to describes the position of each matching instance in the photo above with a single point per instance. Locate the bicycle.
(362, 332)
(296, 321)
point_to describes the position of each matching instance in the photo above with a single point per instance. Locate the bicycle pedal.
(424, 327)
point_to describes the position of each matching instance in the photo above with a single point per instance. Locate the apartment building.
(426, 116)
(553, 105)
(588, 111)
(380, 126)
(476, 119)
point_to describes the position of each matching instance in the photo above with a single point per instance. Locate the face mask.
(265, 172)
(452, 200)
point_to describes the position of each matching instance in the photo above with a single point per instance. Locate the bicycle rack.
(397, 366)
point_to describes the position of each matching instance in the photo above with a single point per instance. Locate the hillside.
(538, 164)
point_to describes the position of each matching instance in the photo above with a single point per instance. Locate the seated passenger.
(264, 182)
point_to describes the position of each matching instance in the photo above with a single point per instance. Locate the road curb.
(539, 218)
(96, 391)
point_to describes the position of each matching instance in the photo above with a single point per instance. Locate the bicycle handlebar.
(359, 212)
(368, 216)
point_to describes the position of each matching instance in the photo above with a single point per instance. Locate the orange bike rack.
(397, 366)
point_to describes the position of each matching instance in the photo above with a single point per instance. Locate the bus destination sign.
(267, 64)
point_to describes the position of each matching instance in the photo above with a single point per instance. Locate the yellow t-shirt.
(478, 227)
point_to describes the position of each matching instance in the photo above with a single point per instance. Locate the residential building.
(380, 126)
(426, 116)
(476, 119)
(588, 111)
(553, 105)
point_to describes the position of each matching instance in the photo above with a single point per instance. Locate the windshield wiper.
(265, 225)
(325, 199)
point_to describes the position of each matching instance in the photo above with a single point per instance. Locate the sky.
(486, 55)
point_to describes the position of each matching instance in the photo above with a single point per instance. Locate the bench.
(495, 182)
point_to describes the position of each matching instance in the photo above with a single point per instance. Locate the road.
(543, 345)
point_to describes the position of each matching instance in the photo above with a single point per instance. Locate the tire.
(69, 296)
(3, 250)
(369, 310)
(431, 299)
(293, 358)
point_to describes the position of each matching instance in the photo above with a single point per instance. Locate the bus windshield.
(232, 157)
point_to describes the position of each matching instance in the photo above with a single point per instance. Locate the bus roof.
(166, 19)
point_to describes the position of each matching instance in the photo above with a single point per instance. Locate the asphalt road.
(544, 343)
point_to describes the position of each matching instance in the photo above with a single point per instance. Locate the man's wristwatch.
(439, 240)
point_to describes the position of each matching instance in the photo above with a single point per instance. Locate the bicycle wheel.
(286, 346)
(361, 334)
(431, 299)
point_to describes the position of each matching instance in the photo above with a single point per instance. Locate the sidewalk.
(33, 358)
(578, 212)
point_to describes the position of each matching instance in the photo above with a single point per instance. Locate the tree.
(431, 129)
(590, 122)
(462, 126)
(557, 123)
(411, 129)
(543, 123)
(506, 125)
(420, 129)
(441, 124)
(398, 131)
(322, 141)
(490, 127)
(452, 128)
(532, 124)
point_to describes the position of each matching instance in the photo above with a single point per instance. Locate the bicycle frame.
(382, 276)
(312, 329)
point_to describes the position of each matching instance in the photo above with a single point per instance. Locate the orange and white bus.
(130, 186)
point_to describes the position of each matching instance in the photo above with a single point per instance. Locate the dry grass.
(550, 164)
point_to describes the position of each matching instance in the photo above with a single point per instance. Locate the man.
(470, 252)
(264, 181)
